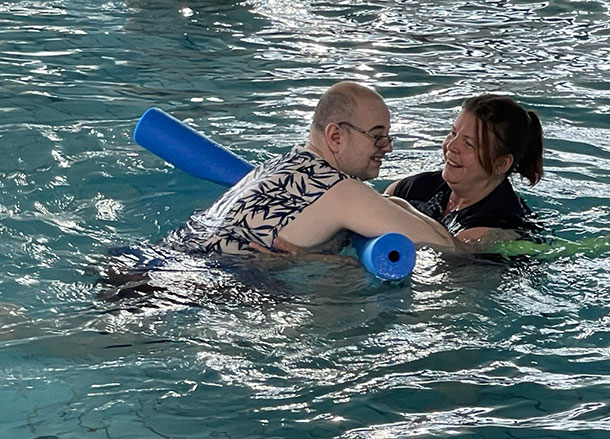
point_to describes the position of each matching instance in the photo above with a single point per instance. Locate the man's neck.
(309, 145)
(319, 148)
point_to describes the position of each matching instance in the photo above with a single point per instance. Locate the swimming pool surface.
(465, 348)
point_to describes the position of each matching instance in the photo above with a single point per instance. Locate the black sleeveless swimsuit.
(502, 208)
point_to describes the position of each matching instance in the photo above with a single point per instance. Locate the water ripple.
(463, 347)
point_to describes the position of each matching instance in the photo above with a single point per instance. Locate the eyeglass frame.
(375, 137)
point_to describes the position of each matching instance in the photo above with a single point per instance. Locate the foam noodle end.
(389, 257)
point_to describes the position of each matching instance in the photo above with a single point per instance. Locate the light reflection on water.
(465, 347)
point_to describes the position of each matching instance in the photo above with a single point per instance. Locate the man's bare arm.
(363, 210)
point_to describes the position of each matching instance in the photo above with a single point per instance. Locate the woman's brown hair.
(507, 128)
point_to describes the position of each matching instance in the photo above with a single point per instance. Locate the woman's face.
(460, 151)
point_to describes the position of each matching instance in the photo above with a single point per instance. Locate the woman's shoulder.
(426, 176)
(505, 198)
(501, 209)
(419, 186)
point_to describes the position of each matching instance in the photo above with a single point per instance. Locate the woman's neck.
(461, 197)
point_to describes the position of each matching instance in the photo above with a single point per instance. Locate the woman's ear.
(503, 164)
(332, 134)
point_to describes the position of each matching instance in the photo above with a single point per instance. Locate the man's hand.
(282, 246)
(287, 249)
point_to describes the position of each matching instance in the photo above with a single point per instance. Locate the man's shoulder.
(350, 185)
(351, 192)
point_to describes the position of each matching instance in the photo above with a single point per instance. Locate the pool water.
(464, 348)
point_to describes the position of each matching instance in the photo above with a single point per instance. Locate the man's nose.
(388, 148)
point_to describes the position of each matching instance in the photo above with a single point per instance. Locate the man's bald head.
(340, 103)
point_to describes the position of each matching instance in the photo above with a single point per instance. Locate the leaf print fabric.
(258, 206)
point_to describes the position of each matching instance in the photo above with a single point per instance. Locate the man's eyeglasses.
(380, 141)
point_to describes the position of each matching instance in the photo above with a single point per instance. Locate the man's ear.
(503, 164)
(332, 134)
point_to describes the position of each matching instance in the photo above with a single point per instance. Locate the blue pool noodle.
(389, 257)
(188, 150)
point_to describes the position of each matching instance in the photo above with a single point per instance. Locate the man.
(306, 197)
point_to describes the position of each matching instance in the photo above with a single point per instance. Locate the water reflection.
(465, 346)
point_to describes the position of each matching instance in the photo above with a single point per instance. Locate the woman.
(492, 138)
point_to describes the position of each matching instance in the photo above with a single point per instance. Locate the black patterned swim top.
(258, 206)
